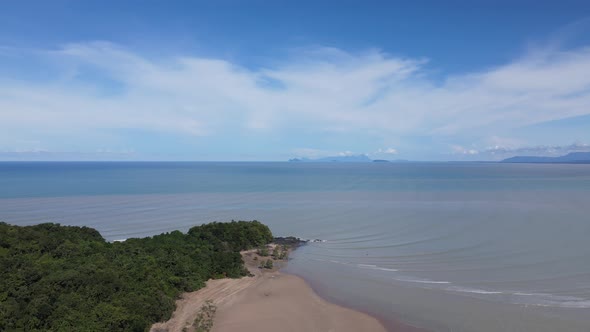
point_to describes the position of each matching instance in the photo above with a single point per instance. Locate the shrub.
(263, 252)
(268, 264)
(205, 317)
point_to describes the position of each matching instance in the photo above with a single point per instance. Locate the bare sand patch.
(267, 301)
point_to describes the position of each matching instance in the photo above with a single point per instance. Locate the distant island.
(570, 158)
(361, 158)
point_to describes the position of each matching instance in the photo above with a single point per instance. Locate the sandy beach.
(267, 301)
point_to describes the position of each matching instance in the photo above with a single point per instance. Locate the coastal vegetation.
(266, 264)
(280, 252)
(66, 278)
(205, 317)
(262, 252)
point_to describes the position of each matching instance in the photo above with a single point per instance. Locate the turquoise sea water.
(445, 246)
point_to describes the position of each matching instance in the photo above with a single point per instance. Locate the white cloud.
(387, 151)
(41, 155)
(318, 153)
(499, 152)
(309, 153)
(345, 154)
(319, 89)
(540, 150)
(457, 149)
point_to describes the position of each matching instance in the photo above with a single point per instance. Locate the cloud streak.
(101, 86)
(541, 150)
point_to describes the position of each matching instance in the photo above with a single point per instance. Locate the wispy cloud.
(40, 155)
(541, 150)
(319, 153)
(387, 151)
(105, 86)
(309, 153)
(461, 150)
(499, 152)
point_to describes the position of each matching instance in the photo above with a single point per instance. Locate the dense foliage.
(64, 278)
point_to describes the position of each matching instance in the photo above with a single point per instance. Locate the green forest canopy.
(66, 278)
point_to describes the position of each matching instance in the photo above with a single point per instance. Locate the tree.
(65, 278)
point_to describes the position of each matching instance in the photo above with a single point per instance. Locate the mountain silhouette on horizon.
(361, 158)
(570, 158)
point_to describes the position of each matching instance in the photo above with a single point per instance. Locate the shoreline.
(390, 324)
(269, 300)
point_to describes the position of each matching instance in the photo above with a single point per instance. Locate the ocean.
(443, 246)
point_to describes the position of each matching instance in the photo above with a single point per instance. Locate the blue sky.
(262, 80)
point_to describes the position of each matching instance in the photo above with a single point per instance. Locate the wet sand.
(267, 301)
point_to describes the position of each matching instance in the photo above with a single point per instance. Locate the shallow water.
(446, 246)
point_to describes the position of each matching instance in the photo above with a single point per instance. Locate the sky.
(274, 80)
